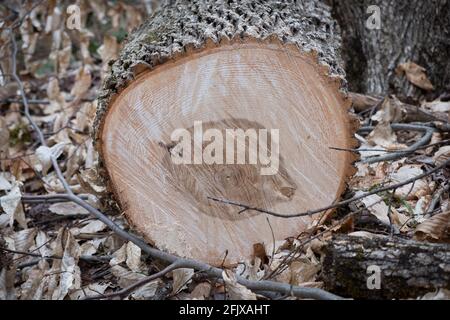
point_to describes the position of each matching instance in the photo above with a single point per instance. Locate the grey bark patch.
(417, 31)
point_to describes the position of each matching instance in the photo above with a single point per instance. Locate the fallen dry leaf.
(435, 229)
(365, 234)
(438, 106)
(36, 280)
(235, 290)
(383, 135)
(126, 278)
(421, 207)
(92, 289)
(361, 102)
(119, 256)
(4, 182)
(108, 51)
(67, 209)
(83, 81)
(12, 206)
(376, 207)
(390, 111)
(440, 294)
(416, 75)
(133, 260)
(413, 190)
(442, 155)
(181, 278)
(44, 155)
(93, 226)
(7, 289)
(65, 274)
(24, 239)
(303, 270)
(201, 292)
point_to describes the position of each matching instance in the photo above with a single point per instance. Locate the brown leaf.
(236, 290)
(440, 294)
(8, 90)
(413, 190)
(390, 111)
(85, 37)
(384, 136)
(435, 229)
(201, 291)
(416, 75)
(91, 182)
(63, 55)
(259, 251)
(83, 81)
(303, 270)
(181, 278)
(362, 102)
(438, 106)
(4, 139)
(108, 51)
(442, 155)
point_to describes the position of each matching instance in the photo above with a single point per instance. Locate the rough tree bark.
(230, 64)
(408, 268)
(417, 31)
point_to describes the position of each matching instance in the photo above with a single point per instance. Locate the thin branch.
(39, 101)
(292, 255)
(128, 290)
(245, 207)
(425, 139)
(49, 198)
(390, 151)
(39, 257)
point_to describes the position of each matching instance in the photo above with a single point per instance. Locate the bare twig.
(292, 255)
(39, 101)
(128, 290)
(446, 141)
(338, 204)
(428, 133)
(364, 104)
(49, 198)
(39, 257)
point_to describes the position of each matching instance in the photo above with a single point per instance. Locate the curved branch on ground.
(245, 207)
(426, 138)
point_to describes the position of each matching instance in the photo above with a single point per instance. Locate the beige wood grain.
(262, 84)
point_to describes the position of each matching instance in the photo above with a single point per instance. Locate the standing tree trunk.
(417, 31)
(250, 65)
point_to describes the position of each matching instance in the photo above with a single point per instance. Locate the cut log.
(246, 65)
(408, 268)
(410, 30)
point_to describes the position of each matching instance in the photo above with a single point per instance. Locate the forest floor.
(54, 249)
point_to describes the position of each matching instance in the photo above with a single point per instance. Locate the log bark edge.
(408, 268)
